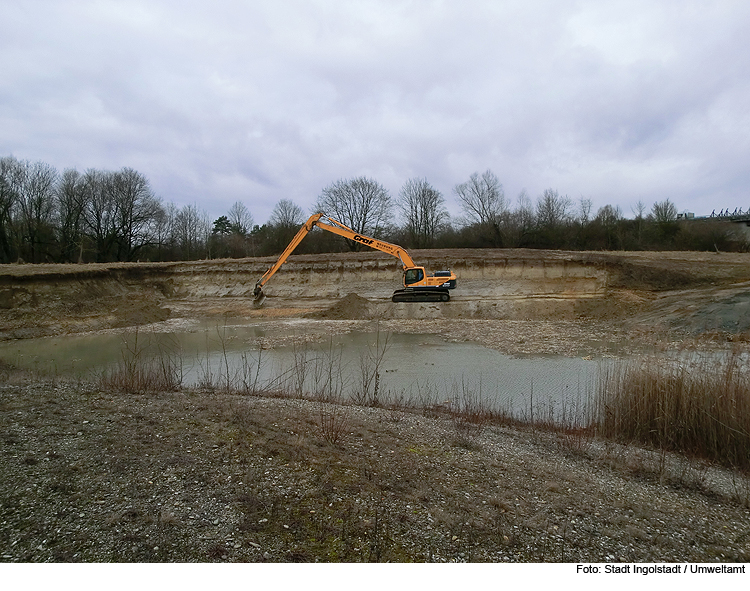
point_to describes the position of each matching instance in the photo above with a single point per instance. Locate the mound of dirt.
(351, 307)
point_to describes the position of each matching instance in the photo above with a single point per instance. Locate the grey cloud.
(223, 101)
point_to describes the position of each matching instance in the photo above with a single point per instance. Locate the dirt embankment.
(695, 292)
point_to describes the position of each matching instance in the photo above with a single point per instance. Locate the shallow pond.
(282, 356)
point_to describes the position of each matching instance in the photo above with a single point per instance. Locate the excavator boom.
(303, 231)
(418, 286)
(392, 249)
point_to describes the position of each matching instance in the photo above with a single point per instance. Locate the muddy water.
(423, 369)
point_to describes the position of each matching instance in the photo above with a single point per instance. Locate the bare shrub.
(250, 369)
(741, 489)
(333, 423)
(326, 374)
(576, 439)
(241, 378)
(469, 415)
(396, 407)
(141, 370)
(299, 374)
(367, 392)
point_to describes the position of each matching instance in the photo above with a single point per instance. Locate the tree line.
(105, 216)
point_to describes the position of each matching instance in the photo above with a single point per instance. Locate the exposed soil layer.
(620, 293)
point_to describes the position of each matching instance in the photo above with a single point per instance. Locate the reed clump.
(696, 406)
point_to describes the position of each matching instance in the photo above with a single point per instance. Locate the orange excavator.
(418, 285)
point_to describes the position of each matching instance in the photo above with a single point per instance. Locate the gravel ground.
(94, 476)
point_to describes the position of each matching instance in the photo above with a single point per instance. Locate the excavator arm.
(434, 287)
(303, 231)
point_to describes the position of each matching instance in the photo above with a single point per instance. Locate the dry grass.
(469, 415)
(140, 371)
(699, 407)
(155, 375)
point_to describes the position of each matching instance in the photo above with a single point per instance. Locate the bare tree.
(164, 231)
(424, 211)
(552, 209)
(120, 213)
(521, 220)
(525, 210)
(191, 231)
(37, 207)
(287, 214)
(639, 209)
(70, 207)
(100, 212)
(585, 206)
(360, 203)
(664, 211)
(482, 198)
(240, 218)
(11, 176)
(553, 226)
(136, 208)
(285, 221)
(609, 217)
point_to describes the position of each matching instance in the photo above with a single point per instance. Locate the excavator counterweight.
(418, 285)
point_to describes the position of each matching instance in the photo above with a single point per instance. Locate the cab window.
(413, 276)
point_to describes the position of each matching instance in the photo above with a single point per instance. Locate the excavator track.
(421, 295)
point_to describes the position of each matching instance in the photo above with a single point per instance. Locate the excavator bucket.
(258, 297)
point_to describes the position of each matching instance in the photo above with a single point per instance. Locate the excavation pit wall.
(488, 288)
(38, 300)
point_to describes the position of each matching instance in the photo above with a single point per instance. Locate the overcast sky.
(220, 101)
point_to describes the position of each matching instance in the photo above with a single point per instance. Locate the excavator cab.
(421, 287)
(413, 275)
